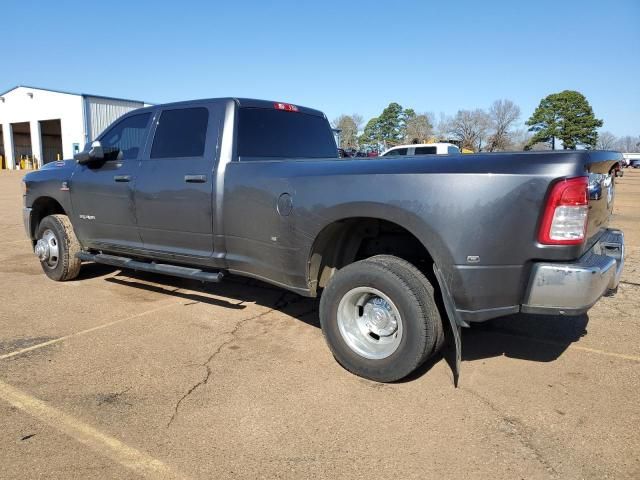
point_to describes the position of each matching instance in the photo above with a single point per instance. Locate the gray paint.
(483, 205)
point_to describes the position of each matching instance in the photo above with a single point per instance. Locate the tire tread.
(70, 268)
(419, 293)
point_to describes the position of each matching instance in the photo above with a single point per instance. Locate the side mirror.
(95, 153)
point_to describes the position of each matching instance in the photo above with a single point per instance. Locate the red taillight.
(564, 220)
(287, 107)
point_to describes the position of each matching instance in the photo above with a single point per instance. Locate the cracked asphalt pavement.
(126, 375)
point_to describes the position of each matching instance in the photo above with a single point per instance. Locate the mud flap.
(455, 323)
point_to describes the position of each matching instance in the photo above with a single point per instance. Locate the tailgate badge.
(473, 259)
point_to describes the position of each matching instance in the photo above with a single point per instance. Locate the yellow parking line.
(572, 346)
(83, 332)
(604, 352)
(110, 447)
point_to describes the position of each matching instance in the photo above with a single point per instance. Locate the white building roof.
(73, 93)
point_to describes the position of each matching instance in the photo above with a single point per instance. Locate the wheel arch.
(41, 208)
(346, 240)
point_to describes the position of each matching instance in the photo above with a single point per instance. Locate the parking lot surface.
(126, 375)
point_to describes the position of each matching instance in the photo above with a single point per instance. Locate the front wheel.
(380, 319)
(56, 248)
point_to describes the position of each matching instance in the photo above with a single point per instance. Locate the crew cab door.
(102, 194)
(174, 194)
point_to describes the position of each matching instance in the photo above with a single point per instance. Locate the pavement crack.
(279, 303)
(517, 430)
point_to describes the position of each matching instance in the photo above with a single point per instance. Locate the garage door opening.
(51, 135)
(22, 149)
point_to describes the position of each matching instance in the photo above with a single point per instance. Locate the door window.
(125, 139)
(181, 133)
(396, 151)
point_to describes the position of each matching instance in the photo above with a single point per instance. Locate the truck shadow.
(94, 270)
(538, 338)
(234, 292)
(175, 292)
(534, 338)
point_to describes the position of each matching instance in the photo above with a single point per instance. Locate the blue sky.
(337, 56)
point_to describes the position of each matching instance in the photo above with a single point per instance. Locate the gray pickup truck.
(392, 246)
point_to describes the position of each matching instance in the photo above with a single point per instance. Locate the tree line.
(561, 120)
(627, 143)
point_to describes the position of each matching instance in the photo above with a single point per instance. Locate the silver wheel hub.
(47, 250)
(369, 322)
(379, 318)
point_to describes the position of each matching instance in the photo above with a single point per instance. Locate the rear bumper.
(573, 288)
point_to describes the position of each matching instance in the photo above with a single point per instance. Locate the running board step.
(164, 269)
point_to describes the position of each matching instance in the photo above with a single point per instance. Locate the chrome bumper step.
(573, 288)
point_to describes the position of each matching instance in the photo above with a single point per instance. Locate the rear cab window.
(265, 133)
(426, 150)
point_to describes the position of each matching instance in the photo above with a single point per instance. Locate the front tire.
(380, 319)
(56, 247)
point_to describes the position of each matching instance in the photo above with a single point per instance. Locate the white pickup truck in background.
(423, 149)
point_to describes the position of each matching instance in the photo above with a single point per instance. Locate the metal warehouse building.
(38, 125)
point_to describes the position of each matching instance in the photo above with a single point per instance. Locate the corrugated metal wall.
(101, 112)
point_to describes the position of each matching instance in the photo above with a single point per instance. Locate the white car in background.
(422, 149)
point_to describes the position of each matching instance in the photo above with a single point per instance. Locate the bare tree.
(606, 141)
(418, 129)
(470, 127)
(503, 114)
(349, 127)
(519, 139)
(442, 126)
(357, 119)
(628, 144)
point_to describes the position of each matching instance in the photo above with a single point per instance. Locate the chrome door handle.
(122, 178)
(195, 178)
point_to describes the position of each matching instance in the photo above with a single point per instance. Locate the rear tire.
(391, 262)
(380, 319)
(61, 246)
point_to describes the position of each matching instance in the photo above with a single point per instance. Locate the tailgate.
(600, 166)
